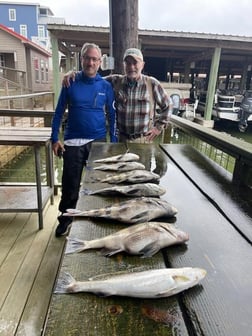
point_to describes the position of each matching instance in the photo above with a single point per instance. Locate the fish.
(149, 284)
(121, 157)
(121, 166)
(133, 190)
(144, 239)
(137, 210)
(133, 176)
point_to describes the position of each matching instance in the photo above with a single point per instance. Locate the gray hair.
(87, 46)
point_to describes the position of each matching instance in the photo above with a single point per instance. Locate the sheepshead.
(133, 190)
(144, 239)
(121, 157)
(133, 176)
(150, 284)
(121, 166)
(137, 210)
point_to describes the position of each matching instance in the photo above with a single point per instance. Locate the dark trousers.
(75, 158)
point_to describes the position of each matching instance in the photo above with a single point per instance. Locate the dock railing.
(32, 99)
(239, 150)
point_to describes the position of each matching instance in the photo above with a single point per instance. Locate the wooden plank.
(34, 314)
(27, 279)
(87, 314)
(24, 136)
(223, 304)
(5, 221)
(26, 113)
(215, 182)
(29, 95)
(10, 230)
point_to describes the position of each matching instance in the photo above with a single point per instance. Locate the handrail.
(28, 95)
(26, 113)
(47, 115)
(239, 149)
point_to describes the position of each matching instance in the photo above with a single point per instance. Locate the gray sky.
(229, 17)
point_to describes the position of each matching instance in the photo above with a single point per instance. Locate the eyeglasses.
(93, 59)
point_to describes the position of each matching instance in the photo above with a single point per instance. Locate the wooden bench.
(28, 197)
(221, 305)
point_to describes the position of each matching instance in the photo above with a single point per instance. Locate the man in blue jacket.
(89, 98)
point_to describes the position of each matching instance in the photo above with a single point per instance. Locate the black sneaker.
(64, 226)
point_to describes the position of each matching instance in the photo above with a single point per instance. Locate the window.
(43, 11)
(2, 60)
(46, 74)
(42, 70)
(41, 31)
(12, 14)
(23, 30)
(36, 69)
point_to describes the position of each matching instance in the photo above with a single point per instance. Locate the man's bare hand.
(66, 79)
(152, 134)
(58, 148)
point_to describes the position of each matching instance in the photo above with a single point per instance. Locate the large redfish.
(137, 210)
(143, 239)
(151, 284)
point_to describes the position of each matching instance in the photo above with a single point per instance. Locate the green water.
(232, 128)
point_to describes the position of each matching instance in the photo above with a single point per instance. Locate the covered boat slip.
(220, 242)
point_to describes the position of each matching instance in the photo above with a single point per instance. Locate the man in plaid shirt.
(137, 97)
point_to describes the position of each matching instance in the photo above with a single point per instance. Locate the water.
(232, 128)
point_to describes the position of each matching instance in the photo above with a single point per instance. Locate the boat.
(245, 113)
(226, 106)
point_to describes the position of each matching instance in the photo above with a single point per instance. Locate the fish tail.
(74, 245)
(65, 284)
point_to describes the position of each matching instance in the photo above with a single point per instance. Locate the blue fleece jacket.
(88, 101)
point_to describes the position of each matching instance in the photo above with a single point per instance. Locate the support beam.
(124, 21)
(212, 83)
(55, 63)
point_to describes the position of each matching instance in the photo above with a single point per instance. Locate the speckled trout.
(143, 239)
(121, 166)
(151, 284)
(137, 210)
(133, 176)
(121, 157)
(133, 190)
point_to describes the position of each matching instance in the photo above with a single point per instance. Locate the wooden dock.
(219, 226)
(29, 261)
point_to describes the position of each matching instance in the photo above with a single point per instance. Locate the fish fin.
(171, 285)
(108, 252)
(64, 283)
(181, 278)
(139, 217)
(174, 285)
(74, 245)
(149, 250)
(86, 191)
